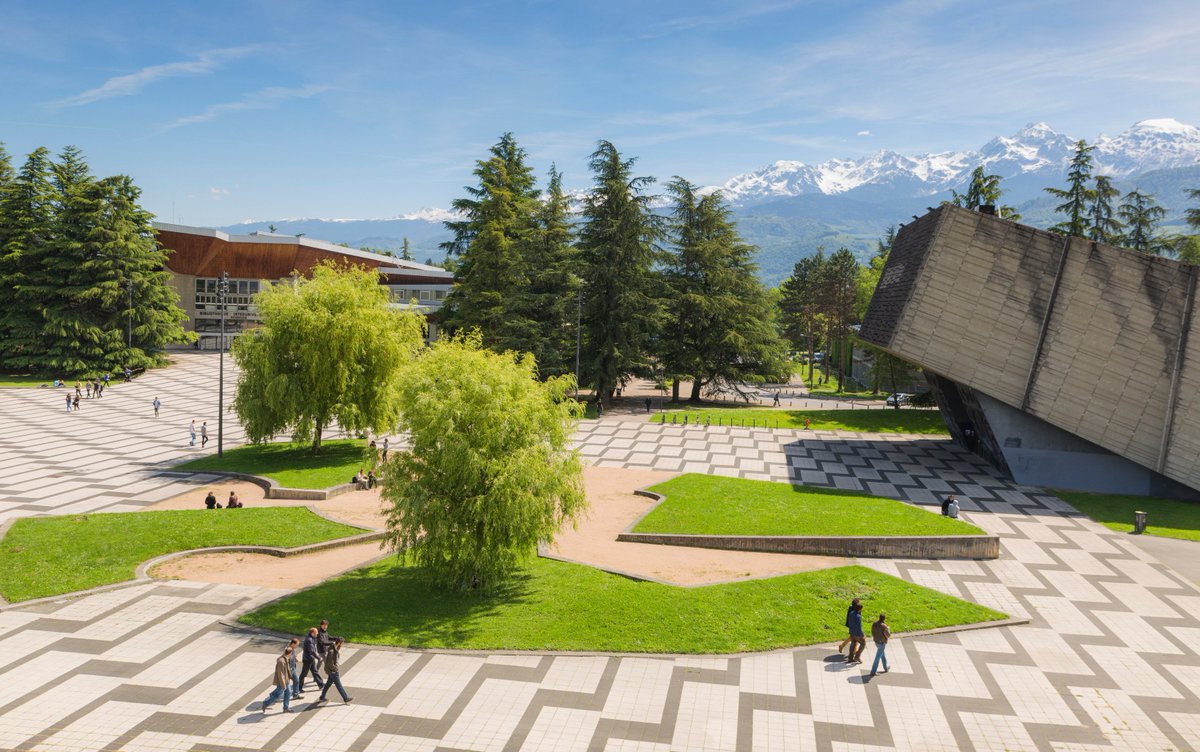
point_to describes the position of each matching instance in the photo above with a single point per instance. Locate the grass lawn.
(291, 465)
(558, 606)
(715, 505)
(41, 556)
(1167, 518)
(904, 420)
(8, 380)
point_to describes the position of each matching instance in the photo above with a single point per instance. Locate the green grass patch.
(877, 420)
(554, 605)
(42, 556)
(291, 465)
(1166, 518)
(714, 505)
(11, 380)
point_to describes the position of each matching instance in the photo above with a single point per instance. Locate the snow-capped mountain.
(1037, 149)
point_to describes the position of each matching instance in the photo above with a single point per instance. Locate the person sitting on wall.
(233, 502)
(210, 501)
(359, 480)
(946, 505)
(370, 479)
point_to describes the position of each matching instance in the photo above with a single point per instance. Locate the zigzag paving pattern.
(1110, 660)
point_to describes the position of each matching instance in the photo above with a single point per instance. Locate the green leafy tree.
(1105, 227)
(837, 293)
(622, 290)
(489, 471)
(1186, 248)
(888, 371)
(720, 330)
(1076, 197)
(329, 348)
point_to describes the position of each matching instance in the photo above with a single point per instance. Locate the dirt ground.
(613, 507)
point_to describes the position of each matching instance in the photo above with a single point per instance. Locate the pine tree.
(547, 309)
(622, 291)
(1141, 214)
(26, 219)
(837, 292)
(406, 250)
(720, 330)
(803, 322)
(1076, 196)
(1105, 227)
(498, 218)
(71, 331)
(983, 190)
(1193, 215)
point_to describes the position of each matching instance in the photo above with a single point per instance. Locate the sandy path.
(613, 507)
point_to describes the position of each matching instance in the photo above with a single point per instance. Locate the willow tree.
(489, 471)
(329, 348)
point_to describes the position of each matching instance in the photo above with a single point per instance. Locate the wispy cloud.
(132, 83)
(863, 133)
(264, 99)
(717, 20)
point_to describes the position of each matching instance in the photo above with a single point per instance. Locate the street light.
(578, 337)
(222, 290)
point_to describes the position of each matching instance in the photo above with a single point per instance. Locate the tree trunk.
(316, 445)
(696, 384)
(675, 390)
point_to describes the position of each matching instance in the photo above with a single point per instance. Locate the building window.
(425, 295)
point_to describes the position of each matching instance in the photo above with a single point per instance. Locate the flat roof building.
(199, 256)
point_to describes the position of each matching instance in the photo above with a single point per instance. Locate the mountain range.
(790, 208)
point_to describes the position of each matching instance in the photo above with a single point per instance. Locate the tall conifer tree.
(1076, 196)
(1105, 227)
(26, 222)
(622, 291)
(720, 331)
(1141, 214)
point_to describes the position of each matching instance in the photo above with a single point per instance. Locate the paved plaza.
(1109, 660)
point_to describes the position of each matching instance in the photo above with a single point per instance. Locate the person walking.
(385, 448)
(649, 403)
(157, 405)
(333, 671)
(192, 431)
(324, 640)
(776, 402)
(88, 386)
(880, 633)
(68, 403)
(311, 655)
(283, 682)
(75, 403)
(853, 605)
(294, 645)
(858, 642)
(203, 434)
(78, 391)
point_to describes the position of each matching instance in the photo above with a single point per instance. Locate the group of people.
(93, 387)
(319, 651)
(363, 482)
(881, 632)
(192, 430)
(210, 501)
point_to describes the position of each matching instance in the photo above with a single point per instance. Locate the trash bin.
(1139, 523)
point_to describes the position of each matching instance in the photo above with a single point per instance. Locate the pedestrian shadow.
(837, 664)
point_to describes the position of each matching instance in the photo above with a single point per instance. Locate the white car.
(899, 398)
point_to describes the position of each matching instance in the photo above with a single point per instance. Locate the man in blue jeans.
(880, 633)
(333, 671)
(858, 641)
(283, 682)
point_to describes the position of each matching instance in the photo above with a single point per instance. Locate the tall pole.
(222, 290)
(578, 338)
(129, 282)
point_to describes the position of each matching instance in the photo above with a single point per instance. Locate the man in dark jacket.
(881, 633)
(333, 670)
(858, 641)
(324, 640)
(312, 659)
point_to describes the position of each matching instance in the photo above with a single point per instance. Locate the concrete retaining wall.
(873, 547)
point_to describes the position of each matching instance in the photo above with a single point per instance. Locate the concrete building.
(1064, 362)
(199, 256)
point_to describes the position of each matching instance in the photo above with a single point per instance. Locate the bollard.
(1139, 523)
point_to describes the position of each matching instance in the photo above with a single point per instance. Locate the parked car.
(899, 398)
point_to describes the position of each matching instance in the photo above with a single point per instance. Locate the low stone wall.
(308, 494)
(872, 547)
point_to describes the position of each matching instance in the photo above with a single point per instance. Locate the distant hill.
(789, 209)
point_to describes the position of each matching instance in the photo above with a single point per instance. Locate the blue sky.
(227, 111)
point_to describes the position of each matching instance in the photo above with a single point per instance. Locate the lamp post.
(222, 290)
(578, 337)
(129, 284)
